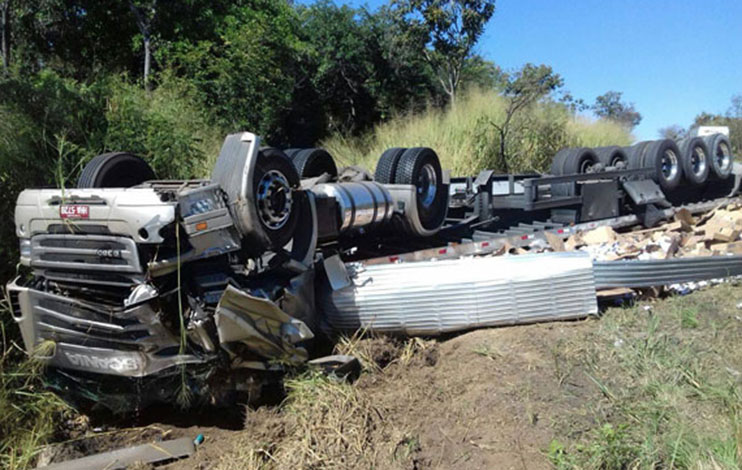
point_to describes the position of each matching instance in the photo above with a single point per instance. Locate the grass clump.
(671, 383)
(323, 423)
(466, 140)
(29, 415)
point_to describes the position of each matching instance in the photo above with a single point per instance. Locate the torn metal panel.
(441, 296)
(298, 298)
(647, 273)
(123, 458)
(259, 324)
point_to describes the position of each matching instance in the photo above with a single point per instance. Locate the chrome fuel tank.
(361, 204)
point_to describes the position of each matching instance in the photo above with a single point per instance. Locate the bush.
(167, 127)
(466, 141)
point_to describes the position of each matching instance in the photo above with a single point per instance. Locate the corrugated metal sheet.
(646, 273)
(434, 297)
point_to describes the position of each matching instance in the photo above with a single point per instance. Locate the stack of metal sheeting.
(434, 297)
(647, 273)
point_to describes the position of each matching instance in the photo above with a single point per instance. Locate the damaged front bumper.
(72, 334)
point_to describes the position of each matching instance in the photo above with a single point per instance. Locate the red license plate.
(73, 211)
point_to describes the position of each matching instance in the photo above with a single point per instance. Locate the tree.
(144, 14)
(447, 30)
(610, 106)
(522, 89)
(5, 33)
(674, 132)
(482, 73)
(575, 105)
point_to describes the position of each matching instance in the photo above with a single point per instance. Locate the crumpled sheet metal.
(261, 325)
(435, 297)
(647, 273)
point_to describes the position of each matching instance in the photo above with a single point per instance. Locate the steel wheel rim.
(274, 199)
(427, 185)
(723, 156)
(698, 161)
(585, 166)
(669, 164)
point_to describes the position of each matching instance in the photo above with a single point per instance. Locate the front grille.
(73, 253)
(97, 278)
(73, 322)
(15, 305)
(90, 229)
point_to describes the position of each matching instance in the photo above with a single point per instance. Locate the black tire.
(573, 161)
(115, 170)
(386, 167)
(273, 176)
(720, 155)
(694, 154)
(421, 167)
(635, 154)
(314, 162)
(664, 157)
(558, 161)
(291, 153)
(611, 156)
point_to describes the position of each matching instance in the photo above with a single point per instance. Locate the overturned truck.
(136, 290)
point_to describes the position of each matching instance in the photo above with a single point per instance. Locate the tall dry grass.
(467, 141)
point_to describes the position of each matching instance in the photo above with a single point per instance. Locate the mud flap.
(261, 326)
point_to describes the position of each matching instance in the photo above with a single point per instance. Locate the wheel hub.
(669, 164)
(274, 199)
(698, 161)
(723, 156)
(427, 185)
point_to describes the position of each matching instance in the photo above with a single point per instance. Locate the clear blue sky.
(672, 59)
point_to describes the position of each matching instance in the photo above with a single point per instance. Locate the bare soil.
(481, 400)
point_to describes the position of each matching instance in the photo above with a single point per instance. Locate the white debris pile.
(715, 233)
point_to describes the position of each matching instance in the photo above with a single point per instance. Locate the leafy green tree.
(81, 39)
(340, 49)
(448, 31)
(482, 73)
(245, 71)
(610, 106)
(522, 90)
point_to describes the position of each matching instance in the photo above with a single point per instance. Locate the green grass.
(671, 388)
(466, 141)
(29, 414)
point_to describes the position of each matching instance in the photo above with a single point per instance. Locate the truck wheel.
(115, 170)
(314, 162)
(611, 156)
(635, 154)
(421, 167)
(571, 161)
(695, 160)
(274, 180)
(291, 153)
(387, 165)
(664, 157)
(720, 155)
